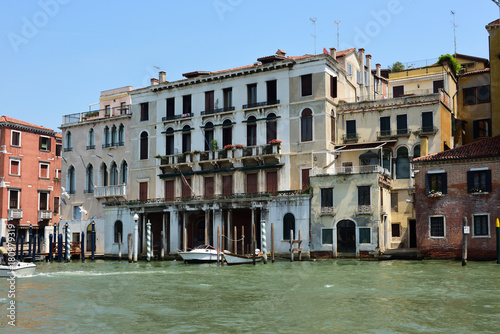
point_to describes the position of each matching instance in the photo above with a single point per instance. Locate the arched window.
(118, 232)
(114, 136)
(103, 173)
(227, 133)
(416, 151)
(271, 127)
(71, 180)
(121, 135)
(113, 176)
(144, 146)
(209, 136)
(69, 144)
(186, 139)
(402, 164)
(169, 141)
(306, 127)
(251, 131)
(106, 140)
(89, 179)
(369, 159)
(288, 224)
(91, 139)
(124, 173)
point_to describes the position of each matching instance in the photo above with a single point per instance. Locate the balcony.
(14, 214)
(111, 191)
(90, 147)
(427, 130)
(361, 170)
(393, 133)
(364, 209)
(216, 111)
(260, 104)
(174, 117)
(96, 114)
(108, 145)
(350, 137)
(68, 149)
(328, 210)
(44, 214)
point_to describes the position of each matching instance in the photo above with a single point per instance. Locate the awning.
(364, 146)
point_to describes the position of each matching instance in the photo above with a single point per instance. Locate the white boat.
(200, 254)
(233, 259)
(17, 269)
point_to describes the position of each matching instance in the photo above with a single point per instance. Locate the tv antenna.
(338, 33)
(313, 20)
(497, 2)
(455, 31)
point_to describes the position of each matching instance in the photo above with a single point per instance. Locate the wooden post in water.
(34, 249)
(92, 251)
(465, 231)
(253, 243)
(50, 248)
(218, 244)
(498, 240)
(17, 246)
(272, 242)
(235, 240)
(184, 241)
(243, 240)
(300, 246)
(22, 248)
(119, 246)
(162, 251)
(130, 248)
(59, 247)
(264, 241)
(82, 246)
(148, 241)
(291, 245)
(222, 239)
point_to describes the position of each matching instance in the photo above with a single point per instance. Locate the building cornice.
(26, 128)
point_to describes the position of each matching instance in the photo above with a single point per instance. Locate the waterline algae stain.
(299, 297)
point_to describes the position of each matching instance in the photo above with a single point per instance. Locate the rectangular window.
(58, 150)
(402, 124)
(479, 181)
(397, 91)
(481, 225)
(252, 184)
(427, 121)
(144, 111)
(367, 77)
(209, 100)
(272, 93)
(437, 227)
(227, 184)
(385, 126)
(209, 186)
(186, 104)
(169, 190)
(44, 171)
(349, 69)
(251, 94)
(306, 84)
(394, 202)
(228, 97)
(333, 86)
(77, 213)
(327, 198)
(396, 230)
(483, 94)
(123, 108)
(360, 77)
(481, 128)
(43, 198)
(272, 182)
(15, 167)
(15, 138)
(436, 85)
(186, 188)
(143, 191)
(327, 236)
(44, 144)
(171, 107)
(56, 205)
(305, 178)
(107, 109)
(436, 183)
(350, 129)
(364, 196)
(469, 96)
(14, 199)
(365, 235)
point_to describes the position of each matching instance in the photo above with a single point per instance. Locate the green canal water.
(299, 297)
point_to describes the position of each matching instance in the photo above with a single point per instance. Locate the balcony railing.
(328, 209)
(427, 130)
(216, 111)
(116, 144)
(174, 117)
(111, 191)
(90, 147)
(95, 114)
(260, 104)
(393, 133)
(44, 214)
(350, 137)
(68, 149)
(365, 209)
(361, 169)
(14, 214)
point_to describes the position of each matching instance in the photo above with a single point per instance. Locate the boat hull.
(201, 254)
(18, 269)
(234, 259)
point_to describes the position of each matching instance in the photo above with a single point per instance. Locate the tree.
(397, 67)
(452, 62)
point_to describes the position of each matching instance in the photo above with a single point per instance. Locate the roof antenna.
(454, 31)
(497, 2)
(338, 33)
(313, 20)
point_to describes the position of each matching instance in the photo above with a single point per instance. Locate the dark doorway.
(413, 233)
(346, 237)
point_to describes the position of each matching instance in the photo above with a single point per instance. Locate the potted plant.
(434, 193)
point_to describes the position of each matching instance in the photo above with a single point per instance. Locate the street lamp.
(136, 236)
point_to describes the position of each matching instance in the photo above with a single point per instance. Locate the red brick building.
(30, 171)
(451, 185)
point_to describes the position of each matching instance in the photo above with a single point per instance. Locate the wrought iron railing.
(216, 111)
(260, 104)
(174, 117)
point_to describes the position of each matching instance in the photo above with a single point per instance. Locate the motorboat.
(233, 259)
(200, 254)
(17, 269)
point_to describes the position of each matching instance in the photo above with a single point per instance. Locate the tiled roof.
(343, 53)
(484, 70)
(494, 22)
(5, 119)
(485, 148)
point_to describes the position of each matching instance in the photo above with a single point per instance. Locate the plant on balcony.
(215, 146)
(274, 142)
(239, 146)
(92, 113)
(477, 190)
(434, 193)
(196, 152)
(451, 61)
(228, 147)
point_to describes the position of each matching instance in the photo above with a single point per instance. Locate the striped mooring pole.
(68, 250)
(498, 240)
(148, 240)
(264, 244)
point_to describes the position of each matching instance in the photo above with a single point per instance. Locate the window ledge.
(431, 237)
(481, 236)
(480, 193)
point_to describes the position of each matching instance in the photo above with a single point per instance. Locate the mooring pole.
(50, 248)
(162, 251)
(119, 246)
(68, 243)
(253, 243)
(34, 252)
(243, 240)
(136, 236)
(82, 246)
(59, 247)
(291, 245)
(148, 240)
(55, 233)
(92, 251)
(498, 240)
(465, 231)
(30, 240)
(264, 242)
(130, 247)
(40, 239)
(17, 246)
(235, 241)
(22, 246)
(218, 244)
(272, 242)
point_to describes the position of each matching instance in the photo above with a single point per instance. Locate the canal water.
(301, 297)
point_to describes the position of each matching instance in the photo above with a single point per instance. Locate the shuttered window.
(209, 100)
(305, 178)
(436, 182)
(186, 188)
(227, 184)
(144, 111)
(327, 197)
(306, 83)
(186, 104)
(397, 91)
(333, 86)
(364, 195)
(171, 107)
(209, 186)
(272, 94)
(272, 182)
(479, 181)
(144, 146)
(385, 126)
(251, 183)
(169, 190)
(143, 191)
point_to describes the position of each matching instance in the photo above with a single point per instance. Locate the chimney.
(378, 66)
(361, 54)
(163, 76)
(333, 53)
(369, 62)
(154, 82)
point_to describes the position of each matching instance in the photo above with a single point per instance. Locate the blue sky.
(57, 55)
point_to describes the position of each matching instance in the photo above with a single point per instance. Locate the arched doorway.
(346, 237)
(89, 238)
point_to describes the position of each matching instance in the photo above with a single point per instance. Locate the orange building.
(30, 171)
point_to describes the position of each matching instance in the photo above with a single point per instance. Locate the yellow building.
(494, 31)
(471, 63)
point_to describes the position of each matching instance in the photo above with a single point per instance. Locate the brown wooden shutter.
(209, 186)
(169, 190)
(186, 191)
(397, 91)
(333, 86)
(305, 178)
(227, 184)
(209, 100)
(272, 182)
(143, 191)
(251, 183)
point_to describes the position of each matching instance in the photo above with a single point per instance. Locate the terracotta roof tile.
(343, 53)
(494, 22)
(16, 121)
(484, 70)
(489, 147)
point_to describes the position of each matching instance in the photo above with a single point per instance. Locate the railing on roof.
(97, 114)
